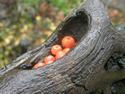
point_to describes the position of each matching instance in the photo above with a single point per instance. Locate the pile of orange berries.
(57, 51)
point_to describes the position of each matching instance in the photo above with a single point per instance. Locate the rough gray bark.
(82, 70)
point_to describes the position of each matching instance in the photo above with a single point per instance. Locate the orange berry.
(49, 58)
(60, 54)
(66, 50)
(40, 64)
(55, 49)
(49, 62)
(68, 42)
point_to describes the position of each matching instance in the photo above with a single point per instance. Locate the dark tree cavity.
(86, 69)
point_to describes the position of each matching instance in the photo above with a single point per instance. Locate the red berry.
(68, 42)
(60, 54)
(55, 49)
(49, 62)
(66, 50)
(49, 58)
(40, 64)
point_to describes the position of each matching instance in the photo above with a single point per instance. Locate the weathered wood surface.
(82, 70)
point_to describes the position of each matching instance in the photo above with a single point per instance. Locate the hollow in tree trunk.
(84, 69)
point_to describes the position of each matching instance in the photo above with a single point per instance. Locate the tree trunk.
(83, 70)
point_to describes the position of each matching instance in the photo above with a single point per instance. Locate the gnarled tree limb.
(82, 70)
